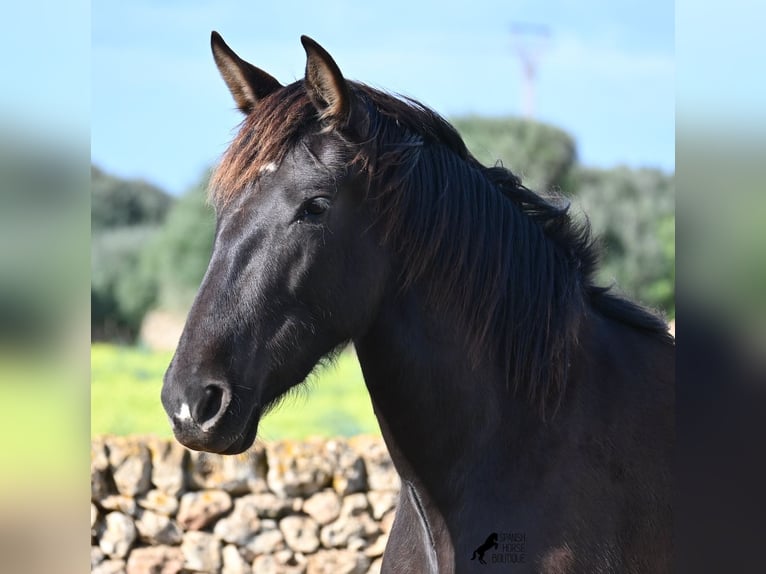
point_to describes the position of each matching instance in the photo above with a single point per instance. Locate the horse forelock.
(278, 122)
(264, 137)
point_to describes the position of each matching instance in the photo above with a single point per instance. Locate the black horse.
(512, 393)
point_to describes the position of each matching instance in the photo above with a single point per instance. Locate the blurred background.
(575, 97)
(120, 105)
(44, 279)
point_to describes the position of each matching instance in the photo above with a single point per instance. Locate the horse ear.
(246, 83)
(325, 85)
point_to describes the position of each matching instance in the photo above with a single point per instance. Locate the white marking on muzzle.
(184, 414)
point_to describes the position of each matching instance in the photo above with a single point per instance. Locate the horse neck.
(434, 406)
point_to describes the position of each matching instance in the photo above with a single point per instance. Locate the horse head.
(295, 270)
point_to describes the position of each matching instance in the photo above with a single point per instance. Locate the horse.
(514, 393)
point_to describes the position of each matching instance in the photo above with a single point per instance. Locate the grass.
(125, 398)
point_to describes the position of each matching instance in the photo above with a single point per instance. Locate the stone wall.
(313, 507)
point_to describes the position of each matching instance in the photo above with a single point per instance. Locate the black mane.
(522, 281)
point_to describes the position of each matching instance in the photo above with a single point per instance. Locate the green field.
(125, 398)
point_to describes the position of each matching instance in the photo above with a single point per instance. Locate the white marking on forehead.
(184, 414)
(268, 168)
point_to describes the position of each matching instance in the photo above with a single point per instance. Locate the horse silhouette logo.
(490, 542)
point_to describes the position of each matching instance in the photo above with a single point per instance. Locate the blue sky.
(160, 111)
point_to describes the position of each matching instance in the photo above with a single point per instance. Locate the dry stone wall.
(313, 507)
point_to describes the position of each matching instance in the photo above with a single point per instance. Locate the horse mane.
(513, 267)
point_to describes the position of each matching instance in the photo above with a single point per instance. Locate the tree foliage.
(121, 289)
(119, 202)
(633, 213)
(179, 254)
(540, 154)
(125, 215)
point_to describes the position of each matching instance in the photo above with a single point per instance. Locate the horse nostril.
(210, 405)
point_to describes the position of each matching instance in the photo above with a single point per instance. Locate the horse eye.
(314, 206)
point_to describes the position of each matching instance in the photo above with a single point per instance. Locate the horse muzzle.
(197, 411)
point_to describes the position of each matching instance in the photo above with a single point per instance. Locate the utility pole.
(529, 40)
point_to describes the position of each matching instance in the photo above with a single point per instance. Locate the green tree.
(117, 202)
(632, 211)
(179, 254)
(540, 154)
(125, 215)
(121, 289)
